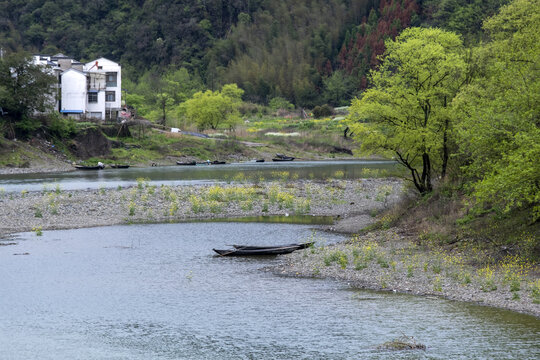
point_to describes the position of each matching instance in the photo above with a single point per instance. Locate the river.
(159, 292)
(191, 175)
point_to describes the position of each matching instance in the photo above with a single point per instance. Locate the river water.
(186, 175)
(158, 292)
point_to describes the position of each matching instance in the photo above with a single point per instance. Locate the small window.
(111, 80)
(110, 96)
(92, 97)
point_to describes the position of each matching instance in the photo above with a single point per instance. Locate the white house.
(91, 90)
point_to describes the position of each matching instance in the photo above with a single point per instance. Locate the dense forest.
(309, 52)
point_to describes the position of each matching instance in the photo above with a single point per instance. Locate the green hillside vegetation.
(309, 52)
(467, 120)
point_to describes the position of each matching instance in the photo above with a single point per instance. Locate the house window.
(92, 97)
(111, 80)
(110, 96)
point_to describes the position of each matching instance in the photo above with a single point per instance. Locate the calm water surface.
(158, 292)
(185, 175)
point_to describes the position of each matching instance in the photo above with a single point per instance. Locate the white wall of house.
(106, 66)
(92, 108)
(73, 91)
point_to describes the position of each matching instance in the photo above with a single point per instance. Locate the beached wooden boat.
(283, 159)
(258, 252)
(216, 162)
(252, 247)
(188, 163)
(119, 166)
(259, 160)
(85, 167)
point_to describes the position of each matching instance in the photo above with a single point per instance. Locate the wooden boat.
(216, 162)
(258, 252)
(252, 247)
(84, 167)
(188, 163)
(289, 158)
(119, 166)
(284, 157)
(259, 160)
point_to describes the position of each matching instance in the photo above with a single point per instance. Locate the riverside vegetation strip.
(387, 259)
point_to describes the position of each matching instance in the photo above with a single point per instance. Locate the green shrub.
(60, 126)
(322, 111)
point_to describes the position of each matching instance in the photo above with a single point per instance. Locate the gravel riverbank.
(54, 208)
(389, 260)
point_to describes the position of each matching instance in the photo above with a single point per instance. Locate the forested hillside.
(310, 51)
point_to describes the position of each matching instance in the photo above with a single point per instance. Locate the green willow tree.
(211, 109)
(407, 111)
(500, 112)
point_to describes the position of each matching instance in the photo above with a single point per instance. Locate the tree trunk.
(445, 145)
(421, 182)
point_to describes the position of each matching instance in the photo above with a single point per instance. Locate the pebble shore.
(388, 260)
(54, 208)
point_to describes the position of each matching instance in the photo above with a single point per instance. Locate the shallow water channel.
(190, 175)
(158, 291)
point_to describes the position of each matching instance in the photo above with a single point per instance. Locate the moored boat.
(85, 167)
(252, 247)
(188, 163)
(281, 157)
(258, 252)
(119, 166)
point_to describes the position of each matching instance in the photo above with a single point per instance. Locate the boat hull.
(257, 252)
(81, 167)
(251, 247)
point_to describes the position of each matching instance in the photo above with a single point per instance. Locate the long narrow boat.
(189, 163)
(119, 166)
(281, 157)
(257, 252)
(84, 167)
(252, 247)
